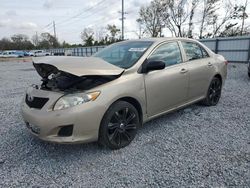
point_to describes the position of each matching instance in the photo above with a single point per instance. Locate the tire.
(213, 93)
(119, 125)
(249, 74)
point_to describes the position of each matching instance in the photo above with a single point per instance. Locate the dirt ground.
(13, 59)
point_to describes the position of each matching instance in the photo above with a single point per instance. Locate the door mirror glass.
(151, 65)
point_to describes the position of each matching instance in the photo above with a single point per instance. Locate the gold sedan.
(107, 97)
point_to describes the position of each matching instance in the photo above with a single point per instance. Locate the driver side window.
(169, 53)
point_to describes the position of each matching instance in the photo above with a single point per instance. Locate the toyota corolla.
(107, 97)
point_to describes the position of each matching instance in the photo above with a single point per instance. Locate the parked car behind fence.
(39, 53)
(11, 53)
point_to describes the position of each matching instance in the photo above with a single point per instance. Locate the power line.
(88, 15)
(48, 25)
(81, 13)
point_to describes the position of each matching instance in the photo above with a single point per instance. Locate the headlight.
(71, 100)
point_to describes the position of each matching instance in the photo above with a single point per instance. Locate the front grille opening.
(35, 102)
(66, 131)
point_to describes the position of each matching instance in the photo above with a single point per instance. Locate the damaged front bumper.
(78, 124)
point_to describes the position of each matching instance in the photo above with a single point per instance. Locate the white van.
(38, 53)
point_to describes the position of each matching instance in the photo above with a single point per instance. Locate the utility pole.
(54, 26)
(122, 19)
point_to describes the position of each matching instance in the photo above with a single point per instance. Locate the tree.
(176, 14)
(219, 22)
(230, 30)
(100, 33)
(207, 14)
(151, 17)
(65, 45)
(240, 13)
(171, 14)
(104, 41)
(35, 40)
(19, 38)
(6, 44)
(190, 24)
(21, 42)
(48, 41)
(113, 30)
(87, 36)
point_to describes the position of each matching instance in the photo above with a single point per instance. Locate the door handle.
(183, 71)
(210, 64)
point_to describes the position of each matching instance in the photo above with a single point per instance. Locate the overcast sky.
(71, 16)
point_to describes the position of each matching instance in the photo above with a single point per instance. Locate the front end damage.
(57, 80)
(67, 125)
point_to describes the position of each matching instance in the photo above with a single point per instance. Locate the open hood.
(78, 66)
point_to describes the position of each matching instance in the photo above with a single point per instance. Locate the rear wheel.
(119, 125)
(213, 93)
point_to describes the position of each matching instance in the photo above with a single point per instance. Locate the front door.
(167, 88)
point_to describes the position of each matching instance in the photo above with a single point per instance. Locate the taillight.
(226, 62)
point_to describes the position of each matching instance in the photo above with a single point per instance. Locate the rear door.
(166, 88)
(200, 68)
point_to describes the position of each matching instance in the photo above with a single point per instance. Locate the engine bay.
(58, 80)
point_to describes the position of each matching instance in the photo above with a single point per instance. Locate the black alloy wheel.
(214, 92)
(119, 125)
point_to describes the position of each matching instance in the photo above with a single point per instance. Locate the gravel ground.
(193, 147)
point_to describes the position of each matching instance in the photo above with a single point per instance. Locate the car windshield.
(124, 54)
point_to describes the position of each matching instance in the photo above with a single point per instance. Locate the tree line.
(107, 35)
(194, 18)
(22, 42)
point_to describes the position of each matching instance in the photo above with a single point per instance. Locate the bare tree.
(151, 17)
(208, 14)
(219, 22)
(100, 33)
(190, 24)
(170, 14)
(240, 13)
(177, 14)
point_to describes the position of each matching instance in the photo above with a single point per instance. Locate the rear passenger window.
(194, 51)
(169, 53)
(204, 52)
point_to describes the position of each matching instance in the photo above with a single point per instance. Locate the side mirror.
(151, 65)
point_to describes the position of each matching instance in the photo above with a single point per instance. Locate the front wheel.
(119, 125)
(213, 93)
